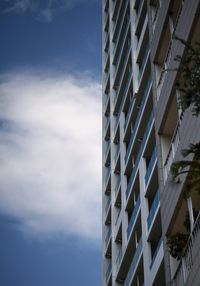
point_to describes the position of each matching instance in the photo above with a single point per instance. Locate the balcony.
(116, 17)
(107, 62)
(172, 152)
(118, 44)
(107, 180)
(143, 64)
(107, 151)
(117, 186)
(117, 82)
(108, 272)
(155, 12)
(119, 258)
(117, 152)
(156, 253)
(138, 119)
(118, 100)
(139, 9)
(133, 217)
(118, 230)
(108, 237)
(164, 71)
(187, 260)
(106, 42)
(116, 124)
(153, 209)
(106, 23)
(141, 35)
(140, 17)
(106, 5)
(151, 166)
(108, 205)
(117, 33)
(117, 3)
(167, 49)
(134, 264)
(107, 84)
(107, 104)
(107, 127)
(118, 62)
(143, 143)
(130, 109)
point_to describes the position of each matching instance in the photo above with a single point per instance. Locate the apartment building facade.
(144, 131)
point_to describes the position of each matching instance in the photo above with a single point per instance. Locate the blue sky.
(50, 142)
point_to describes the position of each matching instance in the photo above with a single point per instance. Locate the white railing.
(119, 258)
(186, 262)
(108, 272)
(155, 18)
(168, 57)
(160, 84)
(164, 70)
(172, 152)
(117, 185)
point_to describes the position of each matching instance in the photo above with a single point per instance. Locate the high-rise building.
(144, 132)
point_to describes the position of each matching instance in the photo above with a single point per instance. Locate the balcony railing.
(107, 149)
(139, 10)
(117, 185)
(107, 99)
(117, 218)
(164, 70)
(140, 112)
(155, 18)
(107, 84)
(108, 236)
(117, 65)
(117, 34)
(144, 61)
(151, 165)
(129, 112)
(142, 33)
(114, 9)
(134, 263)
(108, 272)
(107, 177)
(108, 204)
(117, 121)
(124, 66)
(153, 209)
(107, 124)
(125, 88)
(106, 5)
(187, 262)
(106, 41)
(106, 23)
(122, 42)
(143, 143)
(160, 84)
(133, 217)
(119, 257)
(156, 252)
(106, 62)
(172, 152)
(117, 152)
(168, 55)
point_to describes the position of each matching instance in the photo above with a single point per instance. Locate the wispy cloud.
(43, 10)
(50, 153)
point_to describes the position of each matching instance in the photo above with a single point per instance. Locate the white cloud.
(42, 10)
(50, 153)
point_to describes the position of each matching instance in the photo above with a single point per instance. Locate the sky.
(50, 142)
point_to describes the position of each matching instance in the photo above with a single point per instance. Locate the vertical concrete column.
(144, 214)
